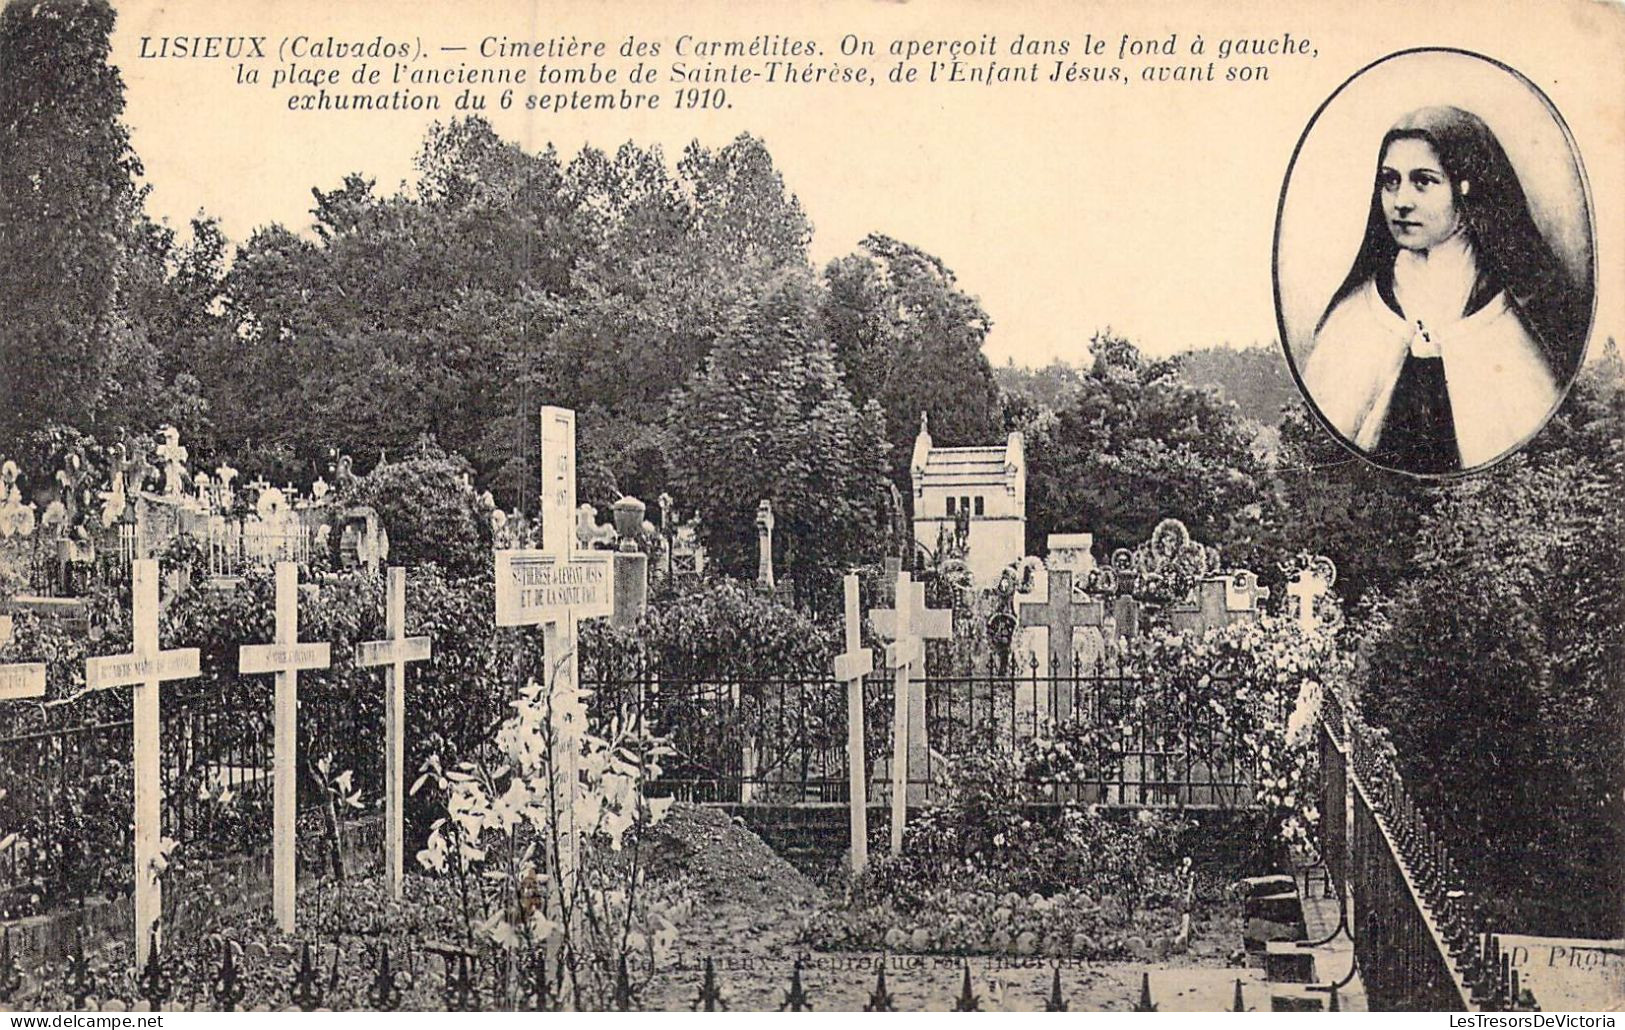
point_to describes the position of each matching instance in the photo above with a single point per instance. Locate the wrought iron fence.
(1419, 933)
(783, 740)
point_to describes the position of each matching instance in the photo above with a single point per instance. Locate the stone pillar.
(764, 545)
(631, 564)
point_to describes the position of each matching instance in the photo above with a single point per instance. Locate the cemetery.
(545, 588)
(392, 791)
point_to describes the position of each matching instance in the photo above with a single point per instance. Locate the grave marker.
(22, 679)
(909, 624)
(850, 668)
(554, 587)
(1061, 615)
(144, 668)
(285, 657)
(1307, 588)
(393, 653)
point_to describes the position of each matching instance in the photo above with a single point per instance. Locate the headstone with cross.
(1062, 614)
(144, 668)
(1309, 586)
(909, 624)
(284, 657)
(850, 668)
(554, 587)
(393, 653)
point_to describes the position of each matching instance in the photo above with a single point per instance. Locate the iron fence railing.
(1420, 940)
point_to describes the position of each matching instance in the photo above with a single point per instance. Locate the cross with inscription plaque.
(393, 654)
(144, 668)
(555, 587)
(284, 657)
(908, 625)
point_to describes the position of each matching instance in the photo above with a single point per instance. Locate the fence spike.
(622, 1000)
(306, 989)
(462, 990)
(710, 997)
(384, 993)
(796, 999)
(880, 1000)
(1240, 1003)
(967, 1000)
(152, 986)
(228, 988)
(1332, 1004)
(80, 983)
(1145, 1004)
(1055, 1003)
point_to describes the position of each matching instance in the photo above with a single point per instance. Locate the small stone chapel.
(983, 488)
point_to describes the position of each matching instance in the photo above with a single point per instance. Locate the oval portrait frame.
(1587, 222)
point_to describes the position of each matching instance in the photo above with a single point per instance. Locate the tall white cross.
(554, 587)
(1308, 587)
(144, 668)
(850, 668)
(393, 653)
(284, 657)
(908, 625)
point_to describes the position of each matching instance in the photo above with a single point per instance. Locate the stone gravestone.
(1061, 615)
(1219, 601)
(555, 587)
(393, 653)
(144, 668)
(1568, 974)
(284, 657)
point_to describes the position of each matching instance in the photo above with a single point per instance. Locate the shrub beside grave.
(987, 872)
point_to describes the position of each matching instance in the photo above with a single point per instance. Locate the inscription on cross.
(1062, 614)
(908, 625)
(393, 653)
(144, 668)
(850, 668)
(554, 587)
(284, 657)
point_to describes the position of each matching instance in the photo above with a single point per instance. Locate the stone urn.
(628, 512)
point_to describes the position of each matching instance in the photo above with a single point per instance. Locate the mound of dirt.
(723, 863)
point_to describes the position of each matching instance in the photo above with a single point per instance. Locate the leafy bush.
(430, 512)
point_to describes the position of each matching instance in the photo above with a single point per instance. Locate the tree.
(769, 418)
(1500, 672)
(908, 338)
(67, 204)
(1136, 444)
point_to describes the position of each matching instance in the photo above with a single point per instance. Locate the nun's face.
(1417, 200)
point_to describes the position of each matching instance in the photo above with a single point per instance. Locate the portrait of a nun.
(1455, 330)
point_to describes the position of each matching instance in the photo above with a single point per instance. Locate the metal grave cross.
(284, 657)
(908, 625)
(1061, 615)
(393, 653)
(850, 668)
(144, 668)
(554, 587)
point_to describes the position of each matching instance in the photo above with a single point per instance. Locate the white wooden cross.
(285, 657)
(850, 668)
(393, 653)
(144, 668)
(908, 625)
(1308, 587)
(554, 587)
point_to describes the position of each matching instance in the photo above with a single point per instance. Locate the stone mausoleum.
(984, 488)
